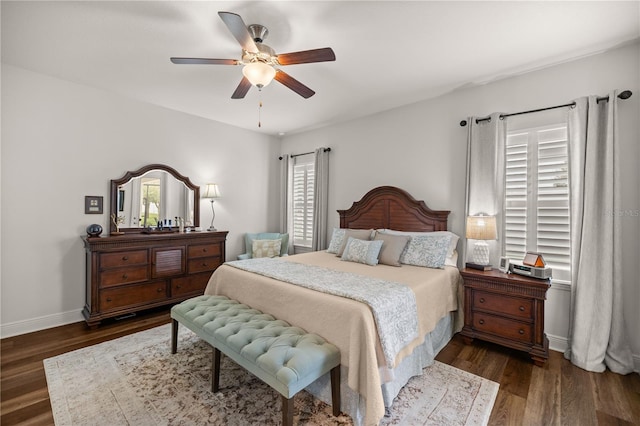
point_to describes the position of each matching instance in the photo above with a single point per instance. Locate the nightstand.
(507, 309)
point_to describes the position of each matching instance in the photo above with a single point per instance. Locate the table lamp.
(212, 192)
(481, 228)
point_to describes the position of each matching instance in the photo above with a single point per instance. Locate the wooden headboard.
(392, 208)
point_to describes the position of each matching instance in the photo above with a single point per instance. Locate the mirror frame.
(115, 184)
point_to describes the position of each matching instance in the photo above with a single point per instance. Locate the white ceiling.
(389, 53)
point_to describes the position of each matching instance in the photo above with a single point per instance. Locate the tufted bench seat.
(285, 357)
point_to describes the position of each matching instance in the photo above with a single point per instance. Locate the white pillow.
(362, 251)
(452, 245)
(266, 248)
(427, 250)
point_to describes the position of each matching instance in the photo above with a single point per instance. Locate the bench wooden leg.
(174, 336)
(335, 390)
(287, 411)
(215, 371)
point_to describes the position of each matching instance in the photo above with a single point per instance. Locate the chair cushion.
(248, 242)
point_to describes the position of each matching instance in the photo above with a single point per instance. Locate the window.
(537, 196)
(303, 182)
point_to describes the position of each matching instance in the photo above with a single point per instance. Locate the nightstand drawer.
(503, 305)
(502, 327)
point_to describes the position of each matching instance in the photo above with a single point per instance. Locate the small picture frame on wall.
(92, 204)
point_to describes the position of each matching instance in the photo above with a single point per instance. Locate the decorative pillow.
(336, 240)
(266, 248)
(392, 248)
(362, 251)
(427, 250)
(341, 235)
(452, 245)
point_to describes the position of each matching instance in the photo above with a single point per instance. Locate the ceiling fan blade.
(294, 84)
(242, 89)
(239, 30)
(307, 56)
(204, 61)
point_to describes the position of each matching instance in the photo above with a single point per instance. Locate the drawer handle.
(179, 286)
(521, 308)
(204, 250)
(108, 299)
(160, 290)
(481, 321)
(521, 331)
(124, 276)
(204, 264)
(482, 300)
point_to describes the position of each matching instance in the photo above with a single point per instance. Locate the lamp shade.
(259, 73)
(211, 191)
(481, 227)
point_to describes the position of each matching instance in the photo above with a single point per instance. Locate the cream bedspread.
(346, 323)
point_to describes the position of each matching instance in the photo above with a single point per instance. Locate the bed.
(371, 378)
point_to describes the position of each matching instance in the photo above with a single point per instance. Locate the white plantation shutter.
(537, 196)
(303, 179)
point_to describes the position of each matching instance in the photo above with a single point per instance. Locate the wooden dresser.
(507, 309)
(132, 272)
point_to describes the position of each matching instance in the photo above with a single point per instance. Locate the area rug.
(135, 380)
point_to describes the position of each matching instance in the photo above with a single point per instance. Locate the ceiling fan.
(261, 63)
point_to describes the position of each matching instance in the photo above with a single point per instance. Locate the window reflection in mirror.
(155, 196)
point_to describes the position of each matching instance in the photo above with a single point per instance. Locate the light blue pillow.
(427, 250)
(362, 251)
(336, 240)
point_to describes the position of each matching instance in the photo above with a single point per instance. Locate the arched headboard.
(392, 208)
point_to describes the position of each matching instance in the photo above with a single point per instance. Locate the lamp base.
(481, 253)
(211, 228)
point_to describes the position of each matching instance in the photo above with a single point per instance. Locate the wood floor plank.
(556, 394)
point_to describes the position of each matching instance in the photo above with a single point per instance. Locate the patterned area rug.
(135, 380)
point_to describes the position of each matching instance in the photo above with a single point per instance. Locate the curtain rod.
(304, 153)
(623, 95)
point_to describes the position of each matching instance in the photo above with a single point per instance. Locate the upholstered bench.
(283, 356)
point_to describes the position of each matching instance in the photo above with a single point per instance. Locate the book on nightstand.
(478, 267)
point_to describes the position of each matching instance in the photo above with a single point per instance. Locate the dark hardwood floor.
(557, 394)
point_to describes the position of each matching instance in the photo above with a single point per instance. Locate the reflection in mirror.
(152, 194)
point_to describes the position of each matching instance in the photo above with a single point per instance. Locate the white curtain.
(321, 198)
(597, 335)
(486, 143)
(286, 212)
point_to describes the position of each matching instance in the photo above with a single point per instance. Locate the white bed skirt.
(423, 356)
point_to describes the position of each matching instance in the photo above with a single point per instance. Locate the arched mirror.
(142, 198)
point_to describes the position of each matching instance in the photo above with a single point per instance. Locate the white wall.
(62, 141)
(422, 149)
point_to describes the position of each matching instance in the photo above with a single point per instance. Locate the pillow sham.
(452, 244)
(362, 251)
(341, 235)
(266, 248)
(392, 248)
(427, 250)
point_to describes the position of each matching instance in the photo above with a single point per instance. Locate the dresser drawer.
(204, 250)
(123, 258)
(204, 264)
(114, 277)
(167, 261)
(503, 305)
(116, 298)
(192, 284)
(502, 327)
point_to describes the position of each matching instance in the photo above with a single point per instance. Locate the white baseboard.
(557, 343)
(40, 323)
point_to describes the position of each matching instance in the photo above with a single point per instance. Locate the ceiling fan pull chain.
(260, 109)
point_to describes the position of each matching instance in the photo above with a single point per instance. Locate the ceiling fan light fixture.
(259, 73)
